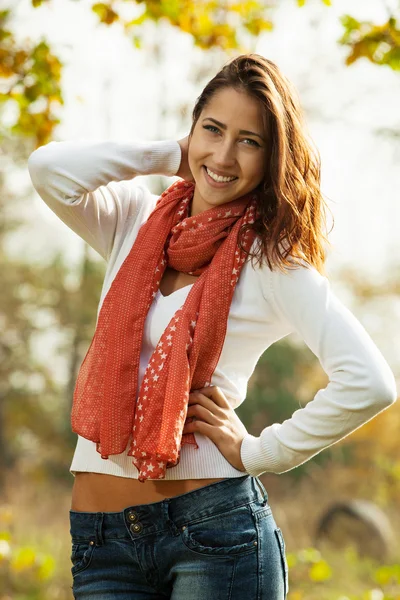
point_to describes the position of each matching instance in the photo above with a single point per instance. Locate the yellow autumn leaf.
(185, 22)
(320, 571)
(291, 559)
(205, 25)
(46, 568)
(23, 558)
(383, 575)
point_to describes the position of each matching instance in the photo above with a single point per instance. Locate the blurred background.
(131, 70)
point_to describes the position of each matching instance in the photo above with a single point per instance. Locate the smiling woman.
(227, 149)
(167, 501)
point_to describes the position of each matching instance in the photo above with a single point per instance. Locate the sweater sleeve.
(89, 186)
(361, 383)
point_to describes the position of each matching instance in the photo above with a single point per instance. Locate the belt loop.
(98, 528)
(165, 509)
(262, 489)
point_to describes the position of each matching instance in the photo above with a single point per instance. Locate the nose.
(225, 155)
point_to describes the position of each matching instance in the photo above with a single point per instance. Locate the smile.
(217, 180)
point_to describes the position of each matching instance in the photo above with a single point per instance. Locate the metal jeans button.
(136, 528)
(132, 516)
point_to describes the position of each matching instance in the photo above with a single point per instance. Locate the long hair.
(292, 211)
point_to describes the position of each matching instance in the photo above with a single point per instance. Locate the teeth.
(219, 177)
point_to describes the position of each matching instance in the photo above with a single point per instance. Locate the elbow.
(384, 391)
(37, 157)
(38, 164)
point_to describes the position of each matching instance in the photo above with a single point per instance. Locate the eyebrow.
(223, 126)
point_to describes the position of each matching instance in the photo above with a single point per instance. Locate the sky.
(114, 91)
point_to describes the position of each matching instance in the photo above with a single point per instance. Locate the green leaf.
(138, 21)
(4, 14)
(137, 41)
(350, 23)
(392, 59)
(4, 34)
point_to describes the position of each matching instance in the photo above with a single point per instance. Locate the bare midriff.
(101, 492)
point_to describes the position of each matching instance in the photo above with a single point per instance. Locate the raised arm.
(88, 185)
(361, 383)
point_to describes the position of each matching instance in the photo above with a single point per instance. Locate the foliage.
(375, 447)
(303, 2)
(210, 22)
(39, 302)
(36, 567)
(27, 571)
(340, 576)
(36, 409)
(31, 80)
(380, 44)
(31, 74)
(286, 377)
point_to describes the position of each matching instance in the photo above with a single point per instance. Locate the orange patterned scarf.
(105, 407)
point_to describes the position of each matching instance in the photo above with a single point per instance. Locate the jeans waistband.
(200, 503)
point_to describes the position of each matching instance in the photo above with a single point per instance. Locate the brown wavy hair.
(292, 211)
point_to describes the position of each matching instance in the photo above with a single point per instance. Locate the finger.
(204, 413)
(215, 407)
(201, 427)
(213, 392)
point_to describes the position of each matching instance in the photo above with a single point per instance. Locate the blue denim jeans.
(219, 542)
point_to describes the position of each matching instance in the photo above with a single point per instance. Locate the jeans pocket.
(285, 567)
(81, 555)
(225, 534)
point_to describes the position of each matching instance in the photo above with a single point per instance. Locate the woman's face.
(229, 140)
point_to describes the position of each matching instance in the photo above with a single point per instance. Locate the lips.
(214, 183)
(218, 173)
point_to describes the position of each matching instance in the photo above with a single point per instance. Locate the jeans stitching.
(281, 542)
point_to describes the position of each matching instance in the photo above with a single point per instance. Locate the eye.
(253, 142)
(210, 127)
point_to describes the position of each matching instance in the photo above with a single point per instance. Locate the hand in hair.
(215, 418)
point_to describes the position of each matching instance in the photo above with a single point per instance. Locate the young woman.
(166, 501)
